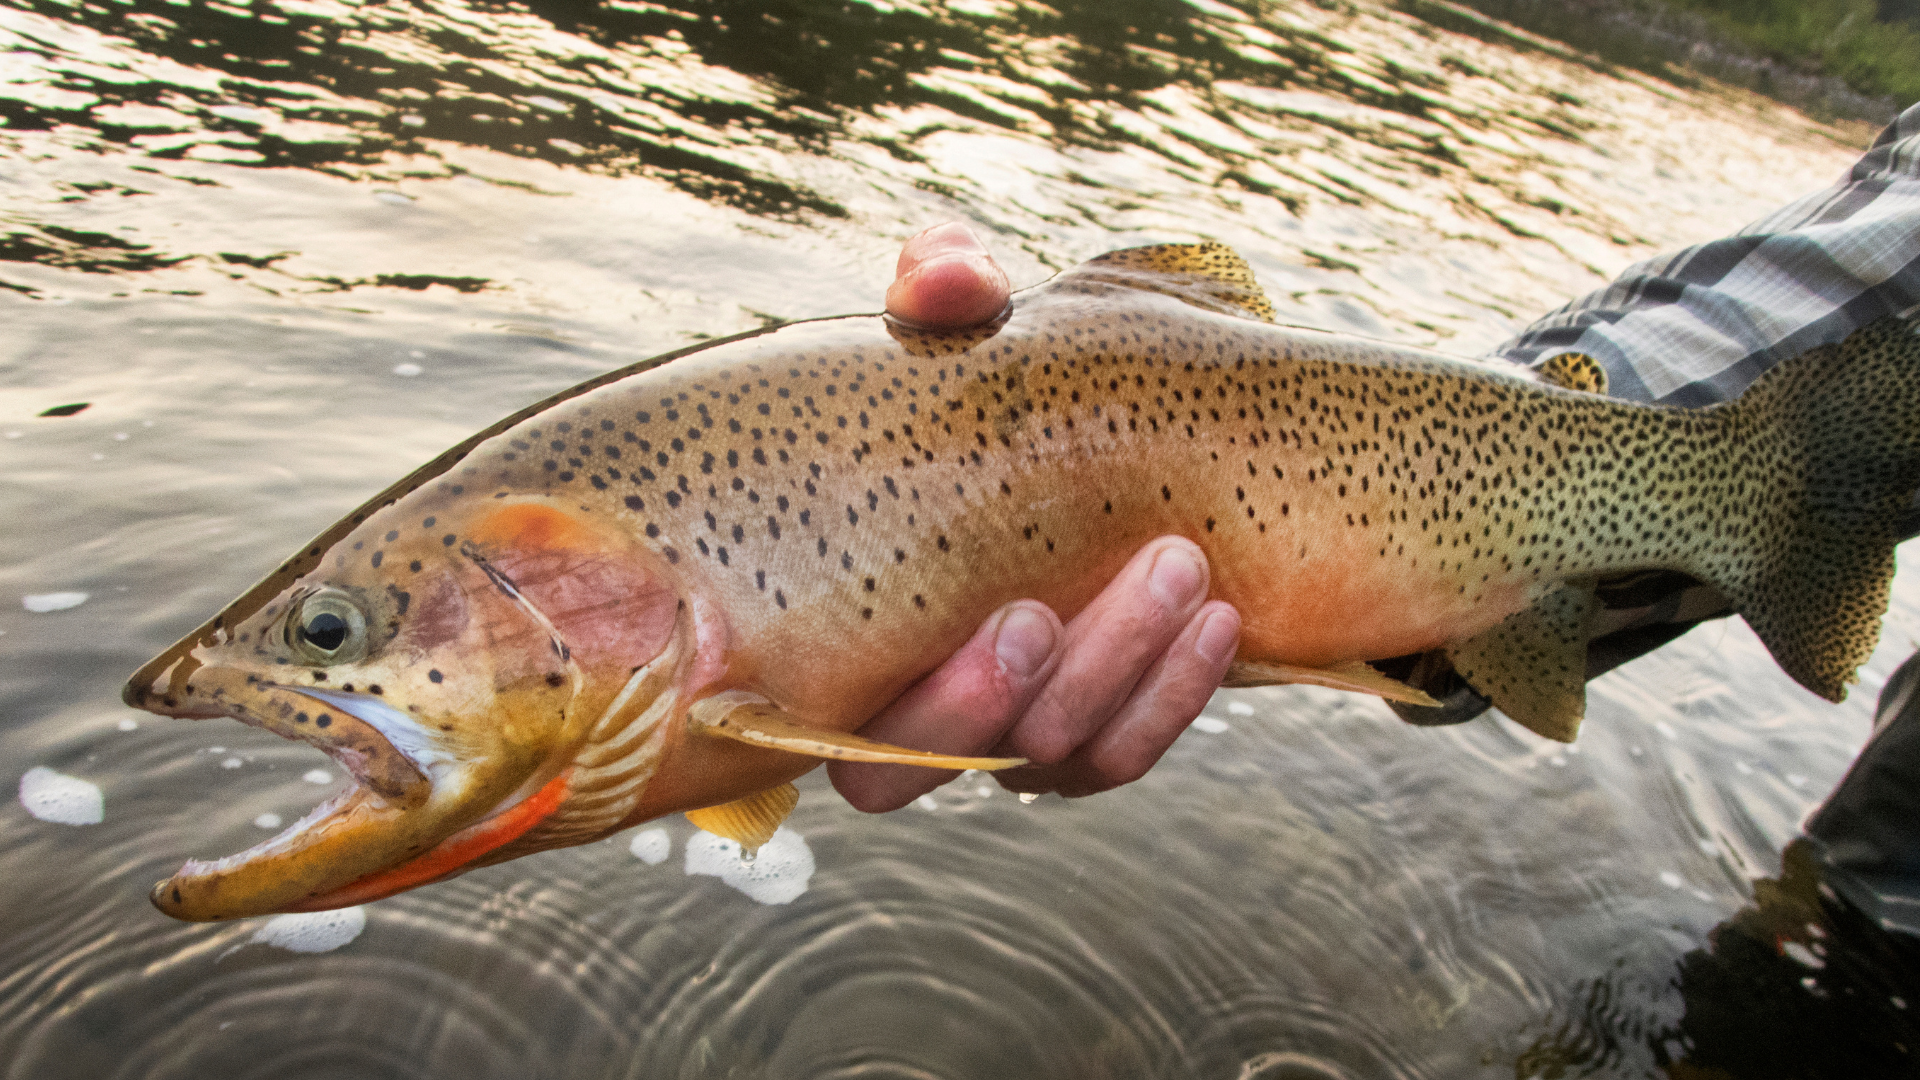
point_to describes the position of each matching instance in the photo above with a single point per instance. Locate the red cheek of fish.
(594, 585)
(440, 613)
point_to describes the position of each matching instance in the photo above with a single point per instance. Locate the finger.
(965, 707)
(1166, 700)
(946, 279)
(1110, 646)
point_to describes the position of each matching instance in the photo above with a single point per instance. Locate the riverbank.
(1835, 59)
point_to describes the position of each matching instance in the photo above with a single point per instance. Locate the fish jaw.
(413, 796)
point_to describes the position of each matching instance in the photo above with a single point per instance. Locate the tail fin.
(1831, 439)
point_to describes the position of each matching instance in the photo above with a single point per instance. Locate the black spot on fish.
(414, 566)
(434, 675)
(553, 678)
(377, 556)
(324, 721)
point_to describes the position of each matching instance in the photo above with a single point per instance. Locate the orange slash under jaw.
(448, 856)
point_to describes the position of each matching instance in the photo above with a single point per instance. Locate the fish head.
(455, 659)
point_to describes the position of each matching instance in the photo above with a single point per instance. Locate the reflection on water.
(287, 249)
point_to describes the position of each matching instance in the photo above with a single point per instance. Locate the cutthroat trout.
(679, 586)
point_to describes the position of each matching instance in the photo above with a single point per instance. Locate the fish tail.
(1825, 455)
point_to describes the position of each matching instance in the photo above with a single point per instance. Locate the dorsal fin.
(1207, 275)
(1575, 371)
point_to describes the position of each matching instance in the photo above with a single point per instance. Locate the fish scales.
(770, 538)
(886, 490)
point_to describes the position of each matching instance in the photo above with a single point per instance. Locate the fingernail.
(1219, 635)
(954, 234)
(1024, 642)
(1176, 577)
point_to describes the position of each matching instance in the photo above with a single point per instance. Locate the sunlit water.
(289, 249)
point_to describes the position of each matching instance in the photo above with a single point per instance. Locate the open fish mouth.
(416, 812)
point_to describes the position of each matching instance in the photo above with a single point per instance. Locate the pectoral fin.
(1355, 676)
(752, 719)
(1533, 666)
(751, 821)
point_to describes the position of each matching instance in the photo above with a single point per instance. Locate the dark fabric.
(1869, 829)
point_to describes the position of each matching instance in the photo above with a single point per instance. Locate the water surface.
(288, 249)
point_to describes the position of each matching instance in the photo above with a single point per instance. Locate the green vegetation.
(1874, 45)
(1835, 59)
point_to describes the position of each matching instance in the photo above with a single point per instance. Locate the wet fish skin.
(819, 515)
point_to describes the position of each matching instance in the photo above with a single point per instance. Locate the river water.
(288, 249)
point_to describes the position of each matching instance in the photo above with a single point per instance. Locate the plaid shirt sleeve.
(1697, 326)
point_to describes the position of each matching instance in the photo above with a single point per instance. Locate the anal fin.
(751, 821)
(1533, 666)
(1354, 676)
(752, 719)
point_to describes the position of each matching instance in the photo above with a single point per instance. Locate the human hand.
(1093, 704)
(946, 280)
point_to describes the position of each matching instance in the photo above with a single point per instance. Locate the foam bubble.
(129, 724)
(232, 763)
(317, 776)
(407, 371)
(1239, 708)
(651, 846)
(1212, 725)
(41, 603)
(778, 873)
(62, 799)
(267, 821)
(313, 931)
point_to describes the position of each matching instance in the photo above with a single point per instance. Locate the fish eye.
(327, 628)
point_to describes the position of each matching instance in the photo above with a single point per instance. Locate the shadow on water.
(288, 249)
